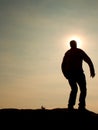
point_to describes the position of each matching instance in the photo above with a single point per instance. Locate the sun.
(77, 39)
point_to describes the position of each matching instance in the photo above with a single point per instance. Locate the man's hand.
(92, 75)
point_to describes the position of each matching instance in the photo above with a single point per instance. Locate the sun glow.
(77, 39)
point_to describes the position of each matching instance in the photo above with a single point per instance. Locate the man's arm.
(90, 63)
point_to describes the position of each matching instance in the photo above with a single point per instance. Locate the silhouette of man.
(73, 71)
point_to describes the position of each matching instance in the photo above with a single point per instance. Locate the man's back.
(73, 59)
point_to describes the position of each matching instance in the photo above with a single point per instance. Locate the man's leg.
(73, 93)
(83, 92)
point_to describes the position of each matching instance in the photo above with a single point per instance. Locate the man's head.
(73, 44)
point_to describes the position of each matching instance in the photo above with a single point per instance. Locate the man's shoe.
(70, 108)
(81, 108)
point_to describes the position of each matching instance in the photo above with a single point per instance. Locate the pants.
(75, 81)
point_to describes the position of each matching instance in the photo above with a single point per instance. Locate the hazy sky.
(34, 36)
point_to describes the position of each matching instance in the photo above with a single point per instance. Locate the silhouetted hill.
(58, 118)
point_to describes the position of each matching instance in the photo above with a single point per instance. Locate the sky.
(34, 35)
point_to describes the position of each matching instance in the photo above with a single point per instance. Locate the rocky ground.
(52, 119)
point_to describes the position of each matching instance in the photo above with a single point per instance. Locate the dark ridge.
(55, 118)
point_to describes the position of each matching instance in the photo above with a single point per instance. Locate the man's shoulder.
(76, 50)
(80, 50)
